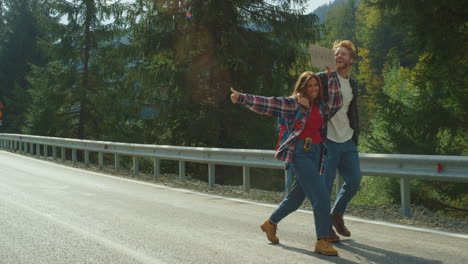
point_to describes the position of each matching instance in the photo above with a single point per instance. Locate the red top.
(312, 127)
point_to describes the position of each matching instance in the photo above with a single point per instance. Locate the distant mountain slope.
(322, 10)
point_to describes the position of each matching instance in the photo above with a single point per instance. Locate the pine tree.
(85, 36)
(18, 49)
(250, 45)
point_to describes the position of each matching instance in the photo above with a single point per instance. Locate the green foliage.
(373, 191)
(340, 23)
(412, 66)
(50, 104)
(186, 67)
(18, 48)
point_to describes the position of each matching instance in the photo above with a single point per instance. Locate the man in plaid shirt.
(343, 132)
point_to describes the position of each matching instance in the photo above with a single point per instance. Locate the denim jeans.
(344, 157)
(309, 183)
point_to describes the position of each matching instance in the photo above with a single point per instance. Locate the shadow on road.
(370, 254)
(331, 259)
(362, 254)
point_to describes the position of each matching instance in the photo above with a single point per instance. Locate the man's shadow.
(363, 253)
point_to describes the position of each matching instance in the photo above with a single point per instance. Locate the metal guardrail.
(404, 167)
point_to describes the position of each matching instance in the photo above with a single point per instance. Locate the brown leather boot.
(326, 248)
(338, 223)
(270, 230)
(333, 237)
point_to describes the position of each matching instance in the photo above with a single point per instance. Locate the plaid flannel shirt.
(284, 107)
(334, 99)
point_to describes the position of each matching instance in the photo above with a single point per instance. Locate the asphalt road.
(54, 214)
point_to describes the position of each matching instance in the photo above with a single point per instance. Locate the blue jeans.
(344, 157)
(308, 183)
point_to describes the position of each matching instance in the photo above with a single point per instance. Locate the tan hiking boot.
(270, 230)
(338, 223)
(324, 247)
(333, 237)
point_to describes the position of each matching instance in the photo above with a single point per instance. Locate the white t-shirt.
(338, 127)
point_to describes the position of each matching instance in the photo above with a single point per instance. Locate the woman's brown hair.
(300, 86)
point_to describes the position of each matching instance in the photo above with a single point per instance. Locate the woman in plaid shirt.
(303, 146)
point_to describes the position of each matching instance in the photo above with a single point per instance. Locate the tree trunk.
(85, 76)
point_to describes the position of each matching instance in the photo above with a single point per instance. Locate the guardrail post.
(101, 160)
(135, 166)
(74, 156)
(181, 170)
(63, 154)
(405, 197)
(156, 169)
(38, 149)
(16, 145)
(117, 162)
(86, 158)
(46, 151)
(211, 174)
(31, 148)
(54, 152)
(246, 178)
